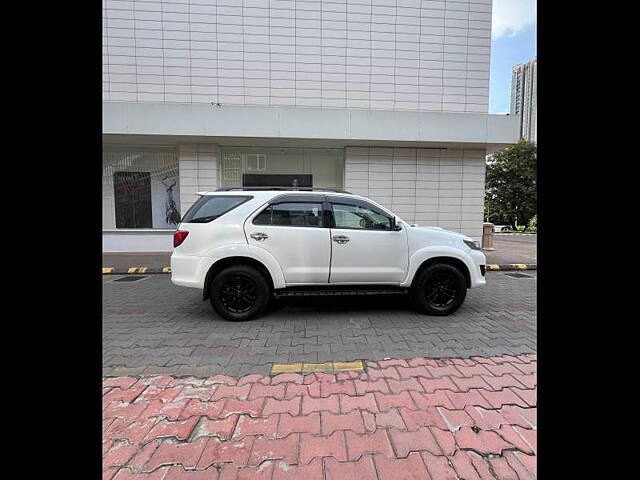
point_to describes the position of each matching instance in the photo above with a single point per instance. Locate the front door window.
(360, 218)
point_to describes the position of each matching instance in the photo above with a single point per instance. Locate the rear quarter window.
(209, 207)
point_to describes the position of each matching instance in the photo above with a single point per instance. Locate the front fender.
(424, 254)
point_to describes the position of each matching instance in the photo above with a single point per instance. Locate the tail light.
(179, 237)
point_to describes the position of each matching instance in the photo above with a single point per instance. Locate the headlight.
(473, 244)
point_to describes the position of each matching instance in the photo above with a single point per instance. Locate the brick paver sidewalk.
(401, 419)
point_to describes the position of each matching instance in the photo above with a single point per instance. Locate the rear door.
(365, 247)
(292, 229)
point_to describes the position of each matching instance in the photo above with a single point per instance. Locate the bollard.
(487, 236)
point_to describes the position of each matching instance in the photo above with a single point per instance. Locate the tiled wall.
(198, 171)
(434, 187)
(371, 54)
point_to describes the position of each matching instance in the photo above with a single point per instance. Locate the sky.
(513, 41)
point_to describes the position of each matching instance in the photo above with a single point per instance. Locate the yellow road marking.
(166, 269)
(137, 269)
(317, 367)
(493, 266)
(327, 367)
(107, 269)
(348, 366)
(519, 266)
(284, 368)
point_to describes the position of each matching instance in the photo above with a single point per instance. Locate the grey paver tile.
(156, 325)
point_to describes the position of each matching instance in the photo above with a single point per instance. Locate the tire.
(239, 293)
(439, 289)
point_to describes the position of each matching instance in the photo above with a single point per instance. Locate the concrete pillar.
(198, 165)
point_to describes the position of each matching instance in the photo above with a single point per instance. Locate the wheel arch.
(453, 261)
(223, 263)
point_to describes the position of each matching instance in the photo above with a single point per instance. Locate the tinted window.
(132, 191)
(359, 217)
(291, 214)
(210, 207)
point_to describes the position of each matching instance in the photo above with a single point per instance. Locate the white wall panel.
(382, 49)
(436, 187)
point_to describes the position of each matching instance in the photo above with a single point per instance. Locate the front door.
(365, 247)
(292, 230)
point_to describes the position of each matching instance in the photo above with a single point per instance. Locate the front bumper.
(477, 265)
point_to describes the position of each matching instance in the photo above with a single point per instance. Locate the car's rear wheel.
(439, 289)
(239, 293)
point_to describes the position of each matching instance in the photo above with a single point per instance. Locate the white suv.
(243, 247)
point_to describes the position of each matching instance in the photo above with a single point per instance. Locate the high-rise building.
(384, 98)
(524, 98)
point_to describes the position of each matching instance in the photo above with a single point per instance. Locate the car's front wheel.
(439, 289)
(239, 293)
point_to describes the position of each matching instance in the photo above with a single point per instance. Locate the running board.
(324, 292)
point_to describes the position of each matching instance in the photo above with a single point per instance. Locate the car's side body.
(309, 255)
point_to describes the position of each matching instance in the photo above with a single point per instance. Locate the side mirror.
(394, 225)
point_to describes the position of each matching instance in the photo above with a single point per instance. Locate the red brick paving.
(415, 419)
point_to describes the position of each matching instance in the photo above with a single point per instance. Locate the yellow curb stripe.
(327, 367)
(519, 266)
(284, 368)
(493, 266)
(137, 269)
(166, 269)
(317, 367)
(107, 269)
(356, 366)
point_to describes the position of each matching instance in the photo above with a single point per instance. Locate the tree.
(510, 189)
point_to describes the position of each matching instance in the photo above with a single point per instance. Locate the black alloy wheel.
(439, 289)
(239, 292)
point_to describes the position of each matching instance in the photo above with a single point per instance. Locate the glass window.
(291, 214)
(358, 217)
(140, 187)
(210, 207)
(325, 165)
(132, 197)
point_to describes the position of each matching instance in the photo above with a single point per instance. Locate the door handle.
(340, 239)
(259, 236)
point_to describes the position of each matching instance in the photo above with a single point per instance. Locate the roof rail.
(297, 189)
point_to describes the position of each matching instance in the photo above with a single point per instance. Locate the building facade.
(384, 98)
(524, 98)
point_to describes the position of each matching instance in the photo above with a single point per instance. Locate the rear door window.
(210, 207)
(292, 214)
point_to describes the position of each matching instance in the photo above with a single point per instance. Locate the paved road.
(512, 251)
(153, 327)
(517, 238)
